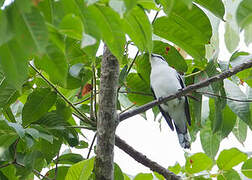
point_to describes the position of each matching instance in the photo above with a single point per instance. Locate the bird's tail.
(184, 138)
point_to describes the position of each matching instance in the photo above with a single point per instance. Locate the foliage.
(49, 69)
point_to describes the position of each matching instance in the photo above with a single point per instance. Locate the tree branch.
(224, 97)
(186, 90)
(139, 157)
(107, 117)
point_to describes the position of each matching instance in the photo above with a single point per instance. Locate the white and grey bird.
(165, 81)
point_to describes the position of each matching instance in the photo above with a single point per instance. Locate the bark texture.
(107, 117)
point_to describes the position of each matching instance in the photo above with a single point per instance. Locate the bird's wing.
(187, 112)
(165, 114)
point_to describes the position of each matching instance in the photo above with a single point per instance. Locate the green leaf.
(54, 63)
(136, 83)
(189, 29)
(247, 168)
(118, 175)
(6, 33)
(14, 64)
(171, 55)
(71, 25)
(33, 133)
(158, 176)
(248, 34)
(214, 6)
(28, 25)
(228, 121)
(231, 174)
(37, 104)
(142, 176)
(8, 94)
(230, 158)
(210, 141)
(240, 130)
(147, 4)
(137, 25)
(175, 169)
(239, 108)
(108, 23)
(244, 13)
(81, 170)
(197, 163)
(70, 158)
(61, 173)
(232, 38)
(123, 74)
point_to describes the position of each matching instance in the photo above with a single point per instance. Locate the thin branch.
(224, 97)
(85, 118)
(83, 127)
(127, 108)
(132, 63)
(5, 165)
(135, 92)
(84, 100)
(34, 171)
(186, 90)
(92, 100)
(139, 157)
(56, 167)
(91, 146)
(192, 74)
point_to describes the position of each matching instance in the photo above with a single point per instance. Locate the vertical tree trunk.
(106, 123)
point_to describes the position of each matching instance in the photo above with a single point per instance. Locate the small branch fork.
(186, 90)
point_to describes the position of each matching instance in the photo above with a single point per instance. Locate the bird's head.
(157, 59)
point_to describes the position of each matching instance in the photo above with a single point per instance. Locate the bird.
(165, 81)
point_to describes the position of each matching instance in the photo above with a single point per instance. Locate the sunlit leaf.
(247, 168)
(240, 130)
(230, 158)
(244, 13)
(231, 174)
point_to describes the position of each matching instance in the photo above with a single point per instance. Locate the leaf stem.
(84, 117)
(91, 146)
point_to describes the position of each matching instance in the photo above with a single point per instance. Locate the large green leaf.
(8, 94)
(81, 170)
(7, 134)
(70, 158)
(175, 169)
(61, 173)
(230, 174)
(230, 158)
(240, 130)
(248, 34)
(210, 141)
(197, 163)
(37, 105)
(71, 25)
(228, 121)
(28, 24)
(136, 24)
(136, 84)
(244, 13)
(108, 22)
(214, 6)
(54, 63)
(9, 172)
(118, 175)
(5, 29)
(189, 29)
(14, 64)
(247, 168)
(239, 108)
(171, 55)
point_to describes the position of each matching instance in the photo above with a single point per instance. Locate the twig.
(127, 108)
(132, 63)
(186, 90)
(135, 92)
(139, 157)
(92, 100)
(224, 97)
(85, 118)
(91, 146)
(56, 166)
(83, 127)
(5, 165)
(84, 100)
(33, 170)
(192, 74)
